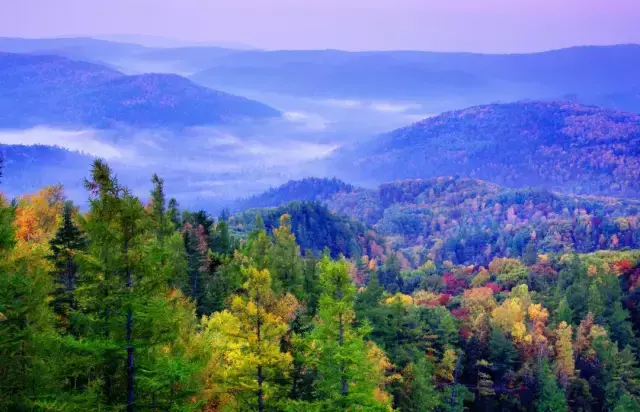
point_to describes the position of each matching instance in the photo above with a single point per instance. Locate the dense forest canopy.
(135, 304)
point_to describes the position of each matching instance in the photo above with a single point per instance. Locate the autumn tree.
(249, 335)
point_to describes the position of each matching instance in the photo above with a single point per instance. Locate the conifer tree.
(68, 241)
(249, 333)
(346, 377)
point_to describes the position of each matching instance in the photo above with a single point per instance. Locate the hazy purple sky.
(461, 25)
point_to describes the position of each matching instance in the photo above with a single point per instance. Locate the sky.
(492, 26)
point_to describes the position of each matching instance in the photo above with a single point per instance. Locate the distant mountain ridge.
(602, 75)
(587, 72)
(562, 146)
(54, 90)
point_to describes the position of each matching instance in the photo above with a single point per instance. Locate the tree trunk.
(343, 378)
(131, 397)
(260, 376)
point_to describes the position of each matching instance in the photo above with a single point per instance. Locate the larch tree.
(248, 336)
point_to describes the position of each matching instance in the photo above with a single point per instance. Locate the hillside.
(471, 221)
(309, 189)
(29, 168)
(557, 145)
(53, 90)
(315, 228)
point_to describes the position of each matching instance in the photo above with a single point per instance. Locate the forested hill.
(316, 229)
(471, 221)
(53, 90)
(309, 189)
(557, 145)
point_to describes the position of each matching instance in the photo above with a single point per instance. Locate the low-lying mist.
(209, 166)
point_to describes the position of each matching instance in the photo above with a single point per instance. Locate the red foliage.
(460, 313)
(444, 299)
(465, 333)
(453, 284)
(494, 287)
(622, 266)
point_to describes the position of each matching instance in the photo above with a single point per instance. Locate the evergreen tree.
(420, 394)
(550, 397)
(173, 214)
(68, 241)
(344, 372)
(285, 259)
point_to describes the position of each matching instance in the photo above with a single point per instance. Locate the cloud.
(378, 106)
(84, 141)
(342, 103)
(310, 121)
(390, 107)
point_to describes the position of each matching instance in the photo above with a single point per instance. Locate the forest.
(134, 304)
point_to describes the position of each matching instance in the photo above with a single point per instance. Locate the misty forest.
(226, 228)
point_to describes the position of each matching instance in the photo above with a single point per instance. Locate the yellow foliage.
(478, 300)
(425, 297)
(481, 278)
(401, 298)
(537, 313)
(446, 367)
(499, 266)
(565, 363)
(39, 215)
(509, 317)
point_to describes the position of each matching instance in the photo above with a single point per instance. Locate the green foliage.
(131, 306)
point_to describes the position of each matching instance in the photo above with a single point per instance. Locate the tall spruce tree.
(68, 241)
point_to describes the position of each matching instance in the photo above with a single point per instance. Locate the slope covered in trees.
(29, 168)
(315, 227)
(135, 305)
(557, 145)
(53, 90)
(471, 221)
(310, 189)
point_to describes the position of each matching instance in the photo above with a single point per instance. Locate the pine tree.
(345, 374)
(158, 208)
(25, 320)
(68, 241)
(173, 214)
(550, 397)
(285, 259)
(420, 388)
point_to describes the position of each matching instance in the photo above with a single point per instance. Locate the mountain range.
(54, 90)
(587, 74)
(602, 75)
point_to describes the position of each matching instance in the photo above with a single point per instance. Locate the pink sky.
(452, 25)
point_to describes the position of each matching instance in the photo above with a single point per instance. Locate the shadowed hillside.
(561, 146)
